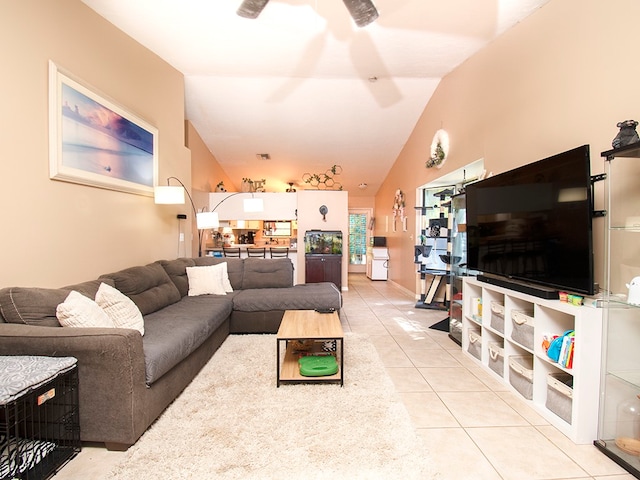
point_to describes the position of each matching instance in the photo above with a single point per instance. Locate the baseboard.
(400, 287)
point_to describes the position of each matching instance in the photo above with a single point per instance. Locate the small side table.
(39, 418)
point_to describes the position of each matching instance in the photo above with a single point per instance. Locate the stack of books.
(566, 351)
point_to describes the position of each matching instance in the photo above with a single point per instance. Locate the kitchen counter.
(244, 246)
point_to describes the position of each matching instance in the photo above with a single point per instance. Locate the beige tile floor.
(473, 427)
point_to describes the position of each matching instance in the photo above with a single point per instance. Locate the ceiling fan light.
(251, 8)
(363, 12)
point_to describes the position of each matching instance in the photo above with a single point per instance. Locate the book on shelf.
(566, 351)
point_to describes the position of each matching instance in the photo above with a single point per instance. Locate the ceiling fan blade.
(363, 12)
(251, 8)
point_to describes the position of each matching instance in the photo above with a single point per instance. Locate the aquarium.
(323, 242)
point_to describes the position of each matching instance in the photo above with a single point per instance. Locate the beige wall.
(206, 172)
(362, 202)
(55, 233)
(561, 78)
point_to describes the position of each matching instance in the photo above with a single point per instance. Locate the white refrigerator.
(377, 263)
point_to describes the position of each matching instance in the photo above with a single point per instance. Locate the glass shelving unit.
(619, 432)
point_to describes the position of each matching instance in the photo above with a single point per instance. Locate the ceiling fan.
(363, 12)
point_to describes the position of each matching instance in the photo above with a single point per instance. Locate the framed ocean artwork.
(94, 141)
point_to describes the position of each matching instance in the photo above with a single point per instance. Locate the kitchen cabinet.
(230, 206)
(277, 229)
(324, 268)
(242, 224)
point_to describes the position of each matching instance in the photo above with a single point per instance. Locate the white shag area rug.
(232, 422)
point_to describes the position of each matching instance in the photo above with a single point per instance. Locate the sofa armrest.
(111, 373)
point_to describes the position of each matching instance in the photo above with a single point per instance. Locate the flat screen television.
(533, 225)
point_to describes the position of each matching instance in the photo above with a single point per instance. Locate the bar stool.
(231, 251)
(278, 252)
(256, 252)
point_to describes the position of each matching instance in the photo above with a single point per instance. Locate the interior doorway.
(441, 245)
(359, 233)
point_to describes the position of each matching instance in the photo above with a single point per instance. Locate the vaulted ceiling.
(303, 84)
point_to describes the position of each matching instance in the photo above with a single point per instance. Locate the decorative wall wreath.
(439, 150)
(399, 204)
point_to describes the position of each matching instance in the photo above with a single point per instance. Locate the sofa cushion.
(173, 333)
(148, 286)
(235, 268)
(37, 306)
(267, 273)
(80, 311)
(307, 296)
(177, 271)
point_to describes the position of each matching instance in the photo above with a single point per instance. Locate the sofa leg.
(117, 447)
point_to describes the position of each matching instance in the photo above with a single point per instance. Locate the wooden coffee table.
(304, 325)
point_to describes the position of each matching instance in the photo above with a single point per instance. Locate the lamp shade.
(206, 220)
(166, 194)
(253, 205)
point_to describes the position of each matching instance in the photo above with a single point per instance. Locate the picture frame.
(96, 142)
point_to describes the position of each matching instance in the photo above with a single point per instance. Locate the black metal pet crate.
(39, 419)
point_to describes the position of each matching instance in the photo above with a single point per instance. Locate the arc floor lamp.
(205, 220)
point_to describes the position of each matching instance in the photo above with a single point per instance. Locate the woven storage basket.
(496, 358)
(522, 328)
(521, 374)
(475, 344)
(560, 395)
(497, 316)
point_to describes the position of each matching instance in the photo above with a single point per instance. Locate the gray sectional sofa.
(126, 379)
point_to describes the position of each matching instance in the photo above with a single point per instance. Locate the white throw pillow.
(226, 284)
(120, 308)
(80, 311)
(205, 280)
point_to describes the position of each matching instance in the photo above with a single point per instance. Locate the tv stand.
(523, 287)
(492, 336)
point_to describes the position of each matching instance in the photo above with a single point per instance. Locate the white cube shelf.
(549, 317)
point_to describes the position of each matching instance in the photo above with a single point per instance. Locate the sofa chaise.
(126, 379)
